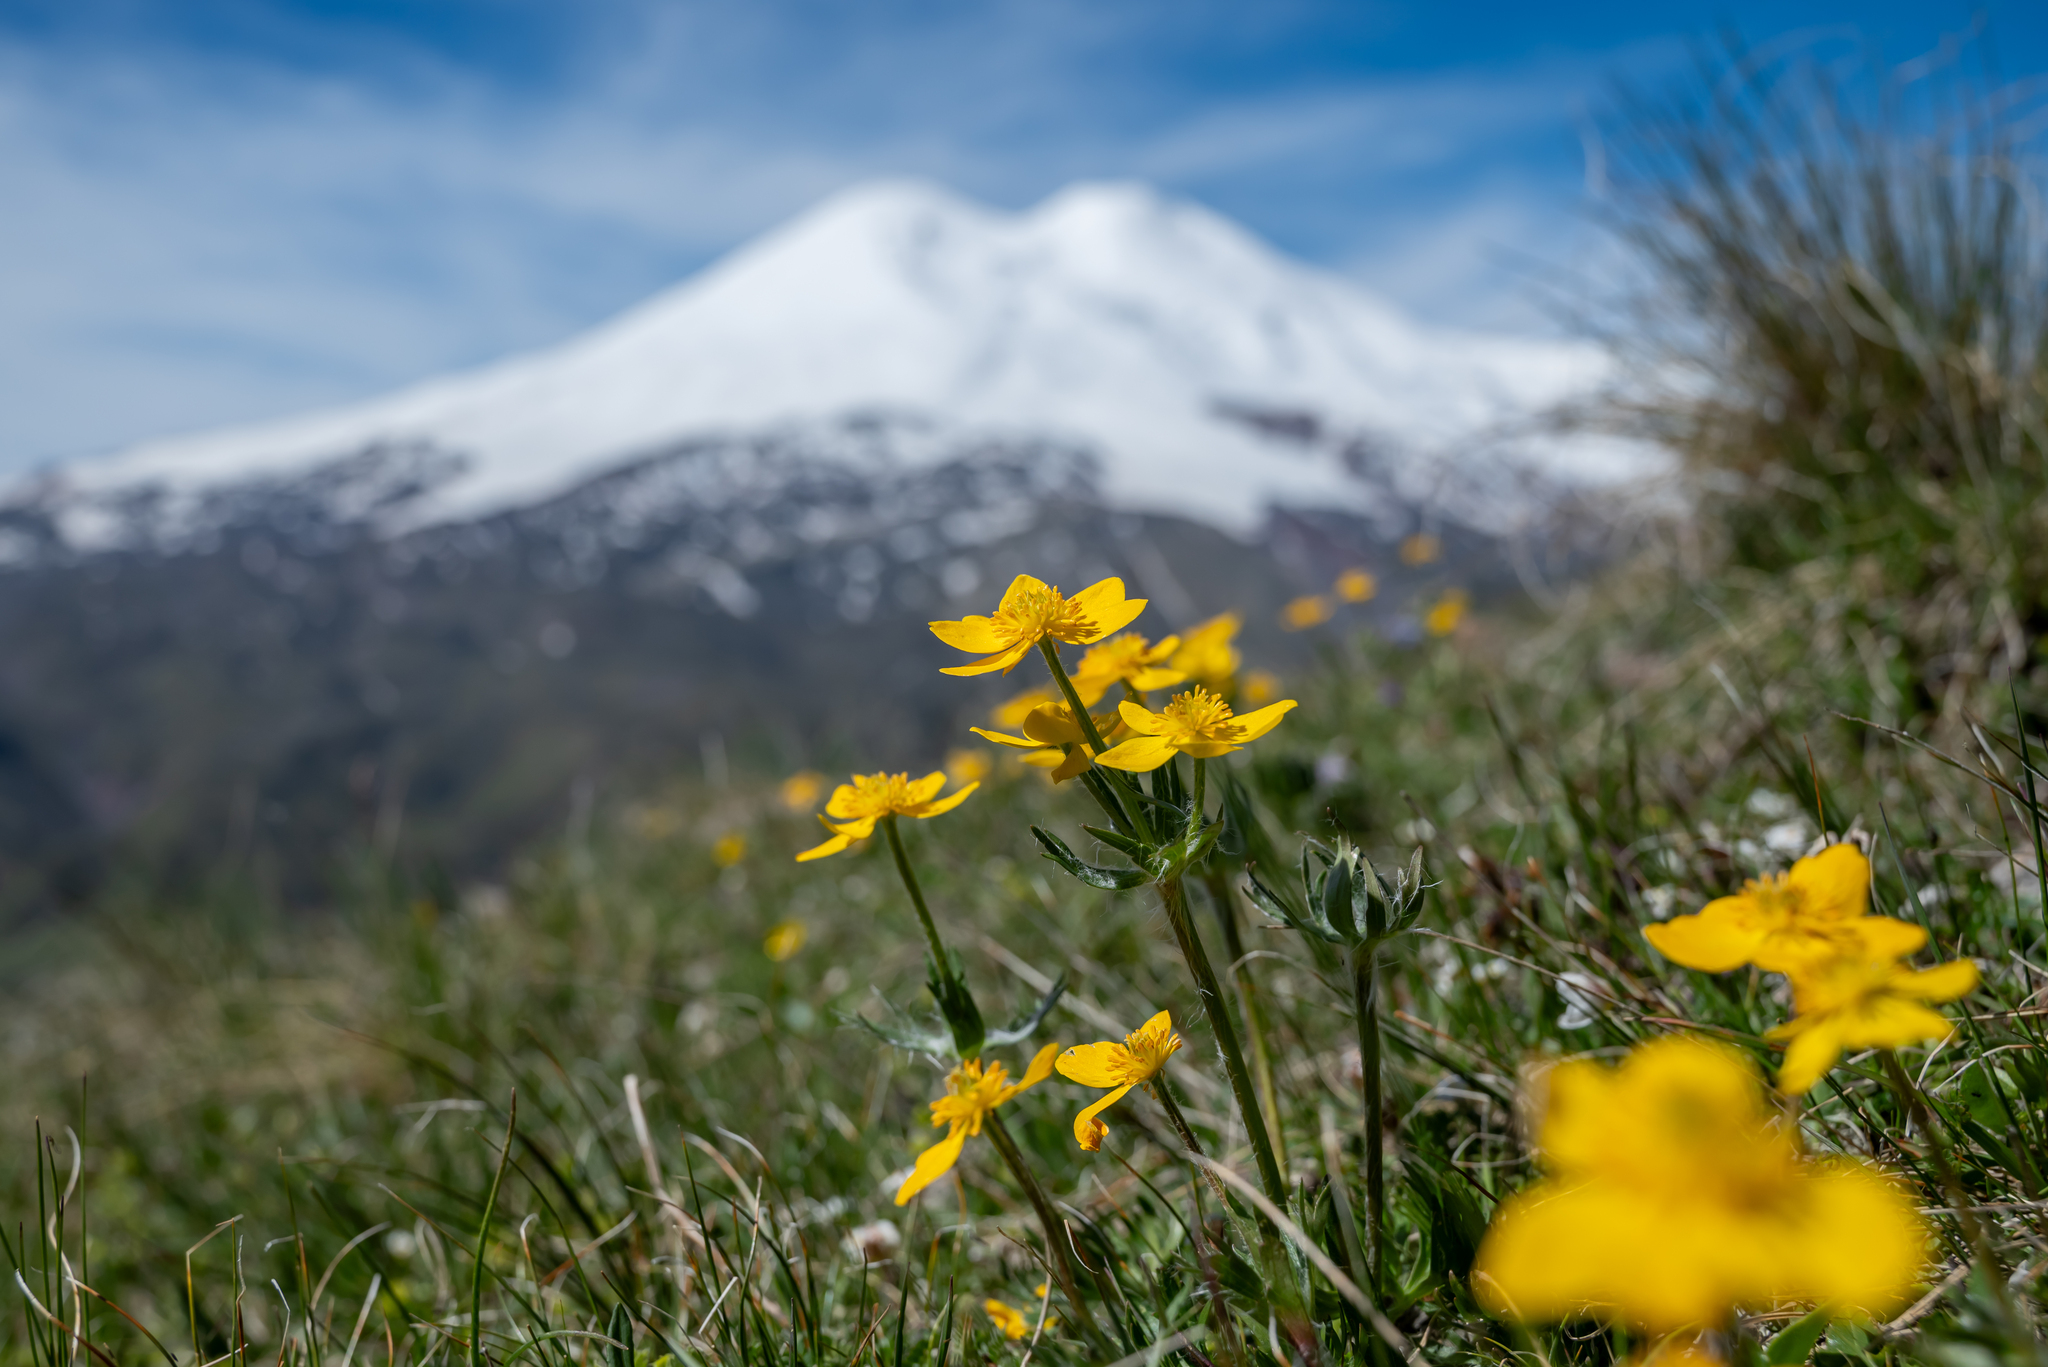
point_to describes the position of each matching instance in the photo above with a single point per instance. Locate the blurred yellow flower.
(1442, 619)
(1052, 739)
(1136, 1061)
(1261, 686)
(856, 807)
(1196, 723)
(1306, 612)
(1127, 659)
(967, 766)
(1421, 549)
(1031, 611)
(1675, 1195)
(1863, 998)
(729, 849)
(1781, 921)
(1206, 655)
(972, 1092)
(1357, 586)
(1010, 715)
(800, 791)
(784, 941)
(1007, 1319)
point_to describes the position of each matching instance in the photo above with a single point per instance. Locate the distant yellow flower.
(1862, 999)
(1052, 739)
(1007, 1318)
(1357, 586)
(858, 805)
(1010, 715)
(972, 1093)
(801, 791)
(1126, 659)
(1306, 612)
(1206, 655)
(967, 766)
(1261, 686)
(1675, 1195)
(1033, 610)
(1136, 1061)
(784, 941)
(1421, 549)
(1781, 921)
(729, 850)
(1196, 723)
(1442, 619)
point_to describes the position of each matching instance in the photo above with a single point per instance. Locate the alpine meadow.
(1650, 966)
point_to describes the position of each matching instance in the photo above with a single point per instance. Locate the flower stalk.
(1247, 999)
(1365, 998)
(1048, 1219)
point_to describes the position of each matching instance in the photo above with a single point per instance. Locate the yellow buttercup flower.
(1863, 998)
(1127, 659)
(1421, 549)
(1052, 739)
(973, 1092)
(1305, 612)
(1357, 586)
(1781, 921)
(1206, 655)
(1010, 715)
(1008, 1319)
(1136, 1061)
(1442, 619)
(856, 807)
(801, 791)
(1196, 723)
(783, 942)
(1675, 1195)
(728, 850)
(1031, 611)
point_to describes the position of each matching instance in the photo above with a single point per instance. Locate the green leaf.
(1794, 1343)
(1026, 1027)
(1093, 875)
(1137, 849)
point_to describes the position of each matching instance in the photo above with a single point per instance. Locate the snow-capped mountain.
(1210, 376)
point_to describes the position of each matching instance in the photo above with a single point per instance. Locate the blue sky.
(219, 210)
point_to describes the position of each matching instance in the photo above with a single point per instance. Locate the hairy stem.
(1248, 998)
(911, 886)
(1365, 997)
(1186, 1132)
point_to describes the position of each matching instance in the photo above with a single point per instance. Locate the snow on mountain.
(1131, 325)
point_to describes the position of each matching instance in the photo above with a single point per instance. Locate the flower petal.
(1106, 1063)
(1006, 661)
(1943, 983)
(1835, 883)
(1103, 609)
(1075, 764)
(1709, 943)
(945, 804)
(923, 790)
(1809, 1057)
(975, 635)
(1020, 586)
(934, 1163)
(1088, 1131)
(832, 846)
(1141, 720)
(844, 802)
(1017, 742)
(1881, 937)
(1141, 754)
(1037, 1071)
(1252, 725)
(1052, 724)
(1889, 1022)
(1146, 680)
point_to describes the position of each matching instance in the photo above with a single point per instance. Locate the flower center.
(1197, 714)
(1037, 612)
(1777, 900)
(975, 1093)
(880, 794)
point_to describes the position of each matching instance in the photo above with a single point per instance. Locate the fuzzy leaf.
(1093, 875)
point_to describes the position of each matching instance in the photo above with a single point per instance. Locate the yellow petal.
(1075, 764)
(1943, 983)
(1104, 609)
(1890, 1022)
(1252, 725)
(1141, 754)
(1811, 1054)
(975, 635)
(1711, 945)
(1052, 725)
(1206, 749)
(1145, 723)
(1088, 1131)
(1884, 938)
(934, 1163)
(1146, 680)
(1039, 1070)
(1006, 661)
(1089, 688)
(1103, 1064)
(832, 846)
(1873, 1274)
(1022, 585)
(844, 802)
(1835, 883)
(926, 811)
(1018, 742)
(1046, 757)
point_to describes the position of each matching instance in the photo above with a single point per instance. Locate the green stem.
(1164, 1094)
(483, 1237)
(910, 885)
(1365, 996)
(1055, 1228)
(1248, 998)
(1218, 1011)
(1103, 791)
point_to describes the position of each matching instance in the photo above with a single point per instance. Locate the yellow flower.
(1781, 921)
(1007, 1318)
(973, 1092)
(1306, 612)
(1357, 586)
(729, 850)
(1863, 998)
(1052, 739)
(967, 766)
(1449, 610)
(1136, 1061)
(1421, 549)
(1196, 723)
(1031, 611)
(858, 805)
(801, 791)
(1206, 654)
(1675, 1194)
(1010, 715)
(1127, 659)
(784, 941)
(1261, 686)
